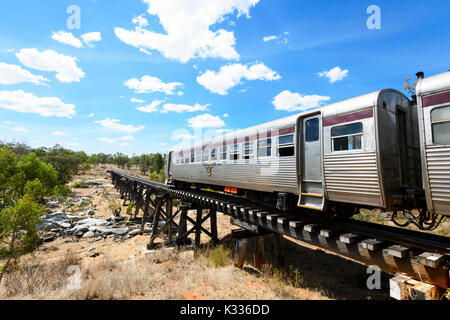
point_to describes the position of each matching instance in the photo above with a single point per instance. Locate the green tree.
(30, 168)
(66, 162)
(18, 233)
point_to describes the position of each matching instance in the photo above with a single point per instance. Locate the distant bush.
(158, 176)
(219, 256)
(80, 184)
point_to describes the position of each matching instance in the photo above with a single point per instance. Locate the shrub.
(219, 256)
(80, 184)
(18, 233)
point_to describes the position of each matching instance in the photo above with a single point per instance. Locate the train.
(381, 150)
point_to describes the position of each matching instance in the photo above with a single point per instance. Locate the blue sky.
(141, 76)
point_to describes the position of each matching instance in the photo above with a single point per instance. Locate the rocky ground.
(82, 233)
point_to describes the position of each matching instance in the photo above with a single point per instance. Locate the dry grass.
(38, 279)
(163, 274)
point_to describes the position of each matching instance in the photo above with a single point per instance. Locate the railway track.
(421, 255)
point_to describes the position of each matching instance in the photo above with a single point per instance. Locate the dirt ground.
(124, 270)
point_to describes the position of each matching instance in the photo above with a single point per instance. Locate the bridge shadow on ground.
(331, 275)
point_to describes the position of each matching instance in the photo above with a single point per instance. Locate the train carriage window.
(248, 151)
(234, 153)
(224, 153)
(348, 137)
(192, 156)
(264, 148)
(214, 154)
(286, 146)
(206, 155)
(198, 156)
(312, 130)
(440, 122)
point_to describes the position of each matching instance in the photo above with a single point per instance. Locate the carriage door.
(310, 154)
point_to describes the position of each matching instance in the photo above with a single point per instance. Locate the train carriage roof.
(339, 108)
(433, 84)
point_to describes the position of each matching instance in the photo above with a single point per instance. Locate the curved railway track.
(422, 255)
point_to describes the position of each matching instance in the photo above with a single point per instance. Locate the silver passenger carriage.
(433, 103)
(362, 152)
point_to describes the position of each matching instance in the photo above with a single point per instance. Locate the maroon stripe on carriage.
(233, 141)
(436, 99)
(365, 114)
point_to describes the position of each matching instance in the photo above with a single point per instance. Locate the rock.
(49, 238)
(92, 222)
(80, 228)
(98, 239)
(52, 204)
(94, 254)
(79, 234)
(90, 212)
(134, 232)
(119, 218)
(89, 235)
(120, 231)
(91, 249)
(46, 226)
(126, 237)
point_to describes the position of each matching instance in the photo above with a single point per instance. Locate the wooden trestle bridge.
(417, 255)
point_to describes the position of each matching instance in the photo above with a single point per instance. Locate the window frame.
(432, 123)
(285, 145)
(207, 153)
(211, 157)
(268, 146)
(224, 153)
(347, 136)
(234, 152)
(318, 130)
(247, 146)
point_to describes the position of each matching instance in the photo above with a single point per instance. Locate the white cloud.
(145, 51)
(289, 101)
(7, 122)
(140, 21)
(152, 107)
(206, 121)
(67, 38)
(134, 100)
(233, 74)
(282, 38)
(187, 28)
(65, 66)
(335, 74)
(183, 136)
(12, 74)
(24, 102)
(114, 124)
(91, 37)
(226, 115)
(20, 129)
(148, 84)
(179, 108)
(270, 38)
(113, 140)
(60, 133)
(91, 115)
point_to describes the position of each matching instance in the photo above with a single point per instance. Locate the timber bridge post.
(156, 200)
